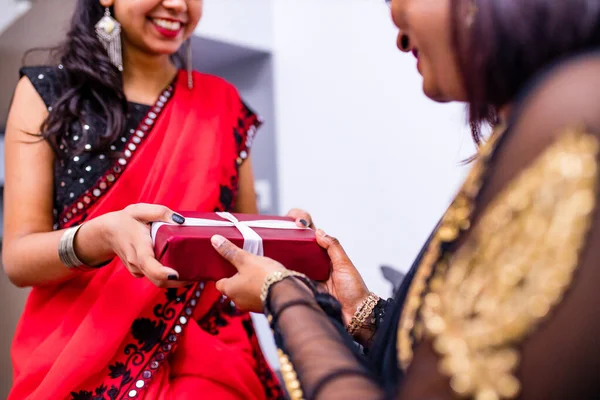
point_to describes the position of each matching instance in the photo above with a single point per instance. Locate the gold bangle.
(275, 277)
(362, 313)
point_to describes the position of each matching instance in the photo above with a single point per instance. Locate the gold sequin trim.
(290, 379)
(513, 269)
(455, 221)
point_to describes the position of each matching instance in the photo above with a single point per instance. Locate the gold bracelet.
(363, 311)
(275, 277)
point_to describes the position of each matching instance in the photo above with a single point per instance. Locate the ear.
(107, 3)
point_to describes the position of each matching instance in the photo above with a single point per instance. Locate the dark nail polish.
(178, 219)
(172, 277)
(304, 222)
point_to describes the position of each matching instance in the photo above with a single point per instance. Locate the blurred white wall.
(244, 22)
(359, 145)
(12, 9)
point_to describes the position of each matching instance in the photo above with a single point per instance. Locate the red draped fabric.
(108, 335)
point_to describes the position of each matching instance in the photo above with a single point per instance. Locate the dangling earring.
(108, 31)
(188, 63)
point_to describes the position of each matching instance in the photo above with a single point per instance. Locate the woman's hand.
(244, 287)
(302, 218)
(127, 234)
(345, 282)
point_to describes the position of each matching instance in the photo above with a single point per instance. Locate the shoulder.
(215, 86)
(565, 95)
(40, 71)
(45, 79)
(27, 111)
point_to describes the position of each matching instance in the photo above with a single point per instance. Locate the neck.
(144, 75)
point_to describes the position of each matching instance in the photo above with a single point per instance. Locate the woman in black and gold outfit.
(502, 301)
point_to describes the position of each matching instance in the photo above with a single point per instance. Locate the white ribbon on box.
(252, 241)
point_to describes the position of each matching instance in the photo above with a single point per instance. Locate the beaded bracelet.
(363, 311)
(275, 277)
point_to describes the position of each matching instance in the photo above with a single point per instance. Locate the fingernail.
(178, 219)
(217, 240)
(172, 277)
(304, 222)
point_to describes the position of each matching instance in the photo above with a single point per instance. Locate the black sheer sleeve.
(310, 334)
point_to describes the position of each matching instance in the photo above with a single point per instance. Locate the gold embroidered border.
(513, 269)
(290, 379)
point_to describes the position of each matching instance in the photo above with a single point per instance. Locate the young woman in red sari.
(113, 138)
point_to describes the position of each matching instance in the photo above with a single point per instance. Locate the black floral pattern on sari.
(155, 338)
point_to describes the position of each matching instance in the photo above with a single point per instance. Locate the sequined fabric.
(76, 174)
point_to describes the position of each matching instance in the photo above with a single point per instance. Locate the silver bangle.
(66, 250)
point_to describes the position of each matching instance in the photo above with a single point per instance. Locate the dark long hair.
(510, 41)
(90, 81)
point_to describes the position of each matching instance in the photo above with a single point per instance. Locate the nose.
(177, 6)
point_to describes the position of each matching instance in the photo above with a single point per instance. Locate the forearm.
(32, 259)
(322, 356)
(246, 197)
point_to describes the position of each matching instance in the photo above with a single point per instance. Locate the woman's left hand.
(244, 287)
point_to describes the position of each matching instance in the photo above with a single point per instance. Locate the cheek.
(194, 15)
(441, 77)
(131, 14)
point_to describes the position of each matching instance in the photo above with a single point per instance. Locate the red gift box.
(188, 250)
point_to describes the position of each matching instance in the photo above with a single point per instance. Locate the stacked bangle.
(363, 311)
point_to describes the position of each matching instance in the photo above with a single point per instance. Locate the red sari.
(107, 335)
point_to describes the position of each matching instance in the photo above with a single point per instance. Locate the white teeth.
(170, 25)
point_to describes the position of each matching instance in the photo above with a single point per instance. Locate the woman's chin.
(435, 93)
(159, 46)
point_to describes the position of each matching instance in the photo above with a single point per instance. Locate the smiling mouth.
(169, 25)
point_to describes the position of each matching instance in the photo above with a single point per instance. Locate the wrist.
(92, 243)
(365, 335)
(363, 314)
(349, 311)
(275, 277)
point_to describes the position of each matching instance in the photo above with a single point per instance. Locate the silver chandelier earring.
(188, 63)
(108, 31)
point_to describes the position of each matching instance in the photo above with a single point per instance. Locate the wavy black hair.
(89, 81)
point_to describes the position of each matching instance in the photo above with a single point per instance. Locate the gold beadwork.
(363, 311)
(456, 220)
(513, 269)
(497, 290)
(273, 278)
(290, 379)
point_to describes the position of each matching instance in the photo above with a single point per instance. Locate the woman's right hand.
(127, 234)
(345, 282)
